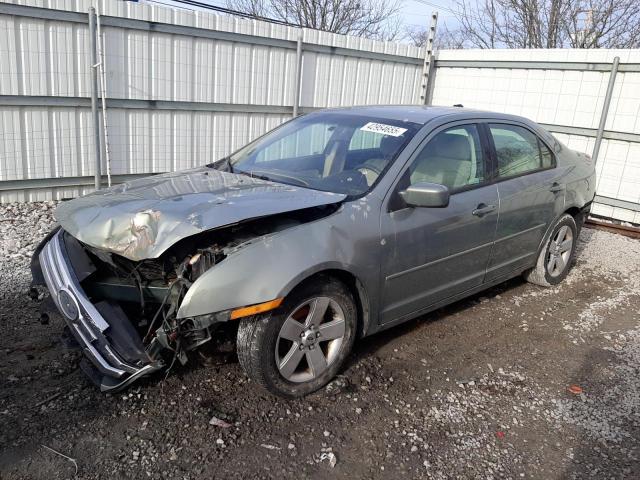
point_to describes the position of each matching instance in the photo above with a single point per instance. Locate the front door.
(439, 252)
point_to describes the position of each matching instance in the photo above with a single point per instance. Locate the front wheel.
(556, 256)
(300, 347)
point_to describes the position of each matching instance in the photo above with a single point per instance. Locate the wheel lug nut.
(318, 335)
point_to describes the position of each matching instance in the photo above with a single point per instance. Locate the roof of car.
(420, 114)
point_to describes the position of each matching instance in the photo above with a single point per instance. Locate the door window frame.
(487, 161)
(494, 173)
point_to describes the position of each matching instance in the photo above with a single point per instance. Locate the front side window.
(452, 158)
(336, 152)
(518, 150)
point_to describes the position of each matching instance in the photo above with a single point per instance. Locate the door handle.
(556, 187)
(482, 209)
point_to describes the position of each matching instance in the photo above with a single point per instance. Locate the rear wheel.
(300, 347)
(556, 257)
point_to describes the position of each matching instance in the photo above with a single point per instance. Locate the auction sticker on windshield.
(383, 129)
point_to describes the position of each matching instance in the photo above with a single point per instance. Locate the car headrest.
(450, 145)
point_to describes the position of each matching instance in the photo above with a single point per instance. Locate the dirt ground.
(517, 382)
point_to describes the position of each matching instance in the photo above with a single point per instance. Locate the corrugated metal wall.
(179, 97)
(559, 99)
(186, 88)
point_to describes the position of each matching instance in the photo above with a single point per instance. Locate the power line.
(459, 14)
(455, 13)
(228, 11)
(170, 5)
(435, 5)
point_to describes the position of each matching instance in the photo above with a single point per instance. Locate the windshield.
(334, 152)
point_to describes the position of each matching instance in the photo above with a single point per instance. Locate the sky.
(414, 13)
(418, 13)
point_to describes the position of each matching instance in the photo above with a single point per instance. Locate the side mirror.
(425, 194)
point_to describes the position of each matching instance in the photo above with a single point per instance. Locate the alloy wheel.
(559, 251)
(310, 339)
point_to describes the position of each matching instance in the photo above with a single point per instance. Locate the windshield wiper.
(226, 161)
(287, 179)
(259, 176)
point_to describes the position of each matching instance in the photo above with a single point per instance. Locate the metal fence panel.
(185, 88)
(210, 83)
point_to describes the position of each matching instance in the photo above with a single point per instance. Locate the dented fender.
(271, 266)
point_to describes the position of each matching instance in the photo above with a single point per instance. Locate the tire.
(546, 273)
(267, 351)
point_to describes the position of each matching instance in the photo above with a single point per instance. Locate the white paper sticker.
(383, 129)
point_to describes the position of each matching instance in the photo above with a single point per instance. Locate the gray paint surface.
(406, 260)
(412, 259)
(142, 218)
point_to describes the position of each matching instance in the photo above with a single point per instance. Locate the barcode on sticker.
(383, 129)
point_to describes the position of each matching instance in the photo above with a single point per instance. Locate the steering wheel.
(372, 176)
(371, 168)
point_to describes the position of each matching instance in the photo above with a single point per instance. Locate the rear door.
(439, 252)
(531, 196)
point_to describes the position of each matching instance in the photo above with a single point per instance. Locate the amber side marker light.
(257, 308)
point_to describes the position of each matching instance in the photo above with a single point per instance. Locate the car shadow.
(371, 344)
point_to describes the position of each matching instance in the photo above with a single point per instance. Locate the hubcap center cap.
(308, 337)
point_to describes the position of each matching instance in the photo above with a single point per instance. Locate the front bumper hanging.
(89, 327)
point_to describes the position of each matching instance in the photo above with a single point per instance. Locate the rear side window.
(519, 151)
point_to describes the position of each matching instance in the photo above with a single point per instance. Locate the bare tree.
(514, 23)
(376, 19)
(546, 23)
(445, 37)
(605, 24)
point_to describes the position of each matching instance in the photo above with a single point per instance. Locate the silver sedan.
(333, 226)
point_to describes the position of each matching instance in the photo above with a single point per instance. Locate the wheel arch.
(579, 214)
(355, 286)
(574, 211)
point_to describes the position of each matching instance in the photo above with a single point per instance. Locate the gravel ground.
(517, 382)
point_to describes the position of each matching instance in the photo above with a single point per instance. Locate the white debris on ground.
(607, 416)
(477, 442)
(22, 227)
(620, 264)
(483, 445)
(610, 415)
(473, 426)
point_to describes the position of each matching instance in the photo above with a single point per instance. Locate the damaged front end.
(101, 328)
(125, 313)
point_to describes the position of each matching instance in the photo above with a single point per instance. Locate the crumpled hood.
(143, 218)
